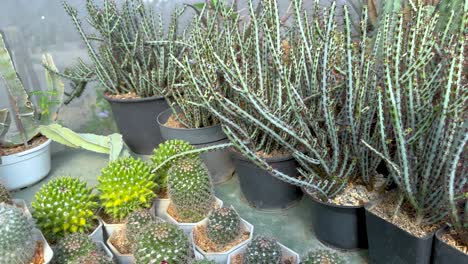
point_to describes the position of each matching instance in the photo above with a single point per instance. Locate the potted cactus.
(263, 250)
(5, 197)
(132, 62)
(424, 161)
(190, 192)
(20, 241)
(78, 248)
(65, 206)
(322, 257)
(220, 234)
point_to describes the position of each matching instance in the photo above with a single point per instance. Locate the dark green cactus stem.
(126, 185)
(163, 242)
(190, 189)
(323, 257)
(96, 257)
(263, 250)
(73, 247)
(4, 195)
(17, 240)
(65, 205)
(136, 224)
(165, 151)
(224, 226)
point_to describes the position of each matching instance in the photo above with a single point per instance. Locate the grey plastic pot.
(160, 206)
(136, 120)
(261, 189)
(98, 234)
(445, 253)
(119, 257)
(339, 226)
(284, 250)
(48, 253)
(219, 162)
(25, 168)
(389, 244)
(222, 257)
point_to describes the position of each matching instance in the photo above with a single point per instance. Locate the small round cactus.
(190, 189)
(322, 257)
(263, 250)
(136, 223)
(224, 226)
(204, 261)
(17, 242)
(73, 247)
(164, 151)
(4, 195)
(126, 185)
(163, 242)
(64, 205)
(96, 257)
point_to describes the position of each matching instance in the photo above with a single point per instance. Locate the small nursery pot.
(187, 227)
(445, 253)
(109, 228)
(219, 162)
(98, 234)
(119, 257)
(25, 168)
(20, 203)
(222, 257)
(339, 226)
(390, 244)
(284, 250)
(101, 245)
(160, 206)
(274, 193)
(48, 253)
(136, 118)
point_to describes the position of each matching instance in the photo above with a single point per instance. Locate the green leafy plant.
(190, 189)
(224, 226)
(17, 242)
(163, 242)
(63, 206)
(322, 257)
(262, 250)
(126, 185)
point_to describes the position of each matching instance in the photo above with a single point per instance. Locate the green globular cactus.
(323, 257)
(73, 247)
(190, 189)
(126, 185)
(17, 243)
(4, 195)
(164, 151)
(224, 226)
(162, 242)
(65, 205)
(136, 224)
(96, 257)
(263, 250)
(203, 261)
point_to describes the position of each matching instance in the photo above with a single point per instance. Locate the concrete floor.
(291, 227)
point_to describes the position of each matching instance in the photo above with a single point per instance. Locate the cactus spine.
(136, 223)
(224, 226)
(263, 250)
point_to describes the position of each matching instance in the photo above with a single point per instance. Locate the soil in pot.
(39, 257)
(120, 242)
(171, 210)
(456, 240)
(202, 240)
(34, 142)
(238, 259)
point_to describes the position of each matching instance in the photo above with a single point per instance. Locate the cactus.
(322, 257)
(164, 151)
(204, 261)
(73, 247)
(65, 205)
(262, 250)
(96, 257)
(126, 185)
(136, 223)
(190, 189)
(224, 226)
(17, 240)
(163, 242)
(4, 195)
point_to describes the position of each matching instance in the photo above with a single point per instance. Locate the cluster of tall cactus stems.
(421, 113)
(130, 53)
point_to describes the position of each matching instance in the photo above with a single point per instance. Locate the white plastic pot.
(284, 250)
(48, 253)
(106, 250)
(20, 203)
(98, 234)
(160, 206)
(119, 258)
(187, 227)
(25, 168)
(222, 257)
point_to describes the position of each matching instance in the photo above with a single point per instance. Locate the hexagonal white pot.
(119, 257)
(98, 234)
(285, 251)
(48, 253)
(187, 227)
(222, 257)
(20, 203)
(160, 206)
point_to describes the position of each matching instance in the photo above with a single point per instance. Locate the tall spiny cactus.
(422, 111)
(134, 51)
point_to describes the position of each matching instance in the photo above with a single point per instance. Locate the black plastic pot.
(136, 120)
(219, 162)
(390, 244)
(339, 226)
(261, 189)
(445, 253)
